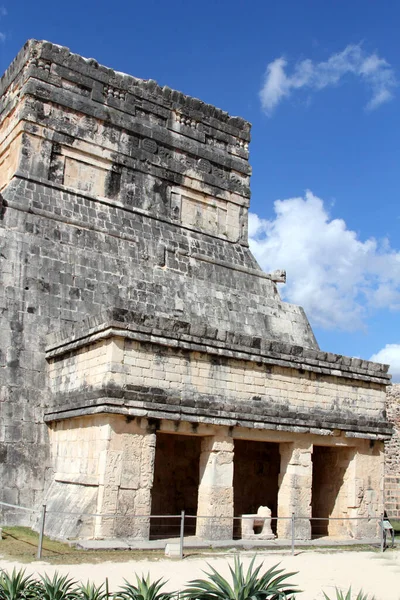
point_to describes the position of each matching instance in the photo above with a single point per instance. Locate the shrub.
(90, 591)
(271, 585)
(143, 590)
(18, 587)
(57, 588)
(340, 595)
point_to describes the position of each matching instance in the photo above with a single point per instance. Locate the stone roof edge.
(150, 88)
(106, 405)
(16, 66)
(198, 337)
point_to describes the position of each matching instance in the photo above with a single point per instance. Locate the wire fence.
(185, 530)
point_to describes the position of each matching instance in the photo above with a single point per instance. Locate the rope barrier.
(182, 517)
(33, 510)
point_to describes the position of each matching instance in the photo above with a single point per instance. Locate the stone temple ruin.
(148, 364)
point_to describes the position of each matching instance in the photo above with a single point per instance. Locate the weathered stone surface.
(123, 237)
(215, 502)
(261, 519)
(140, 375)
(392, 454)
(114, 192)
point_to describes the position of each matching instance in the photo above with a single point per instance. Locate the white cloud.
(390, 355)
(376, 73)
(3, 13)
(337, 278)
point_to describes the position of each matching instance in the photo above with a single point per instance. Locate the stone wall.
(392, 454)
(102, 465)
(139, 371)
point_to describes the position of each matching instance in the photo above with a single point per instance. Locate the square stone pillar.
(215, 497)
(295, 487)
(126, 481)
(365, 488)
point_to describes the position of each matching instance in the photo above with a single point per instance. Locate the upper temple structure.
(148, 364)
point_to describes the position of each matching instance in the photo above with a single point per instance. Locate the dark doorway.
(255, 479)
(176, 483)
(329, 496)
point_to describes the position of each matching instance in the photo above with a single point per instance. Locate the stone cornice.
(200, 338)
(119, 88)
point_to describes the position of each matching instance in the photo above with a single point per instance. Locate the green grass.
(21, 543)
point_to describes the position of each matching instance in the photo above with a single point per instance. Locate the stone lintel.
(195, 414)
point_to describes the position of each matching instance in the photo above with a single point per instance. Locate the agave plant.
(57, 588)
(340, 595)
(90, 591)
(17, 586)
(144, 590)
(271, 585)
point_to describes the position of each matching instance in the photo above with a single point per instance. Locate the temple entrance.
(329, 492)
(255, 479)
(175, 485)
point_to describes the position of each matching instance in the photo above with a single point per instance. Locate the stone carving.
(278, 276)
(242, 144)
(186, 121)
(112, 92)
(204, 165)
(261, 519)
(44, 65)
(392, 454)
(149, 145)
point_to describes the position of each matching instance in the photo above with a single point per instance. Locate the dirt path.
(375, 573)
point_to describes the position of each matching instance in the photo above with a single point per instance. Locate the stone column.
(215, 497)
(126, 481)
(295, 483)
(365, 486)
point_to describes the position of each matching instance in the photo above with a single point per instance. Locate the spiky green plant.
(17, 586)
(143, 590)
(340, 595)
(59, 587)
(90, 591)
(271, 585)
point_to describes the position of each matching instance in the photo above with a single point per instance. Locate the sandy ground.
(375, 573)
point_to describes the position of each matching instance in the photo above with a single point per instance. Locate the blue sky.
(320, 83)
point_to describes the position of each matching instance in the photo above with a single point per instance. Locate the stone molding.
(149, 404)
(112, 393)
(213, 144)
(51, 60)
(191, 336)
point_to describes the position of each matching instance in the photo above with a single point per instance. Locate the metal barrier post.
(182, 533)
(292, 532)
(382, 532)
(41, 533)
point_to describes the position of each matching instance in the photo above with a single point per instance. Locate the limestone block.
(173, 550)
(215, 498)
(295, 488)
